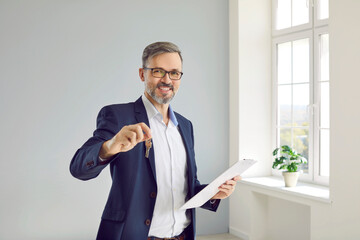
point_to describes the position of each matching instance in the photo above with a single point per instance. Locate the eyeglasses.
(160, 73)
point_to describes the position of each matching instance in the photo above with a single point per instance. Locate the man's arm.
(85, 164)
(106, 144)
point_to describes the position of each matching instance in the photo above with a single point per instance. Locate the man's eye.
(174, 73)
(158, 71)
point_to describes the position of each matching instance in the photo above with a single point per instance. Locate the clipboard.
(210, 190)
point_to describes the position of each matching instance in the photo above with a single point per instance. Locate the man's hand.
(226, 189)
(125, 140)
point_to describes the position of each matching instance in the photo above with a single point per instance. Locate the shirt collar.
(172, 116)
(151, 110)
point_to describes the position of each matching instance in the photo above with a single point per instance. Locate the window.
(301, 82)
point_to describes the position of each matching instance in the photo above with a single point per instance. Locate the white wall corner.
(239, 233)
(233, 81)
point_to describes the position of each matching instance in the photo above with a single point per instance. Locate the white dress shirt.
(171, 174)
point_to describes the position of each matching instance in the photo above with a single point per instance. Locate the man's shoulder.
(121, 107)
(119, 110)
(118, 106)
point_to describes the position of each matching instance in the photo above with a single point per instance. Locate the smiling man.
(150, 150)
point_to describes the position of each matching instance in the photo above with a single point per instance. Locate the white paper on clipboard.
(210, 190)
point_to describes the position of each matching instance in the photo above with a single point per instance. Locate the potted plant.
(288, 159)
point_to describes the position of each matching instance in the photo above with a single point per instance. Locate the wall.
(60, 62)
(344, 117)
(339, 220)
(250, 98)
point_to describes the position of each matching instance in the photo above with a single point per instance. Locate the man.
(150, 150)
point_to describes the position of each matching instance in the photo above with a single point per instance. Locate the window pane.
(324, 105)
(301, 60)
(285, 136)
(324, 152)
(300, 12)
(300, 104)
(323, 9)
(301, 143)
(284, 105)
(324, 57)
(284, 63)
(283, 14)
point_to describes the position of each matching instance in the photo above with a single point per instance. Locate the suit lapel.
(186, 136)
(141, 116)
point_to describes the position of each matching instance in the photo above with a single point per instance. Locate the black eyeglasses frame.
(166, 72)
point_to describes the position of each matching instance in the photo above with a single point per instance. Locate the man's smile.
(165, 88)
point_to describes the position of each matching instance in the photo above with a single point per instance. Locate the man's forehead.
(171, 60)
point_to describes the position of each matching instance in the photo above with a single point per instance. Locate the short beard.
(160, 100)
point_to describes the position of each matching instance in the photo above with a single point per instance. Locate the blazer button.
(147, 222)
(153, 194)
(90, 164)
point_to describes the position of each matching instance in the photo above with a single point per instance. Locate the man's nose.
(166, 78)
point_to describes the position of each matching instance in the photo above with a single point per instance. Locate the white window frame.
(282, 39)
(318, 22)
(317, 177)
(301, 27)
(310, 30)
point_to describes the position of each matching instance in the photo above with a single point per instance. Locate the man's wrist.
(104, 153)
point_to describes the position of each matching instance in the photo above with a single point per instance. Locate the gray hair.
(158, 48)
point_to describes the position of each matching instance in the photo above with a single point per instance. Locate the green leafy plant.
(287, 158)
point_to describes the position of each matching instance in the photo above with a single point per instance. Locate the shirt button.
(153, 194)
(147, 222)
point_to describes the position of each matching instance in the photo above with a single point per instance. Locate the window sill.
(304, 192)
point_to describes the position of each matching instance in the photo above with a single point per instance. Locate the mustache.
(165, 85)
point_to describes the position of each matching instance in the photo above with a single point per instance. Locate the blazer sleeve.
(209, 205)
(86, 164)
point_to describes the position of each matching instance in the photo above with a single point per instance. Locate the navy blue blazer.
(130, 205)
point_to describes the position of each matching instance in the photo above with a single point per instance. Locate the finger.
(226, 186)
(125, 143)
(123, 138)
(125, 146)
(230, 182)
(138, 131)
(237, 178)
(146, 130)
(226, 191)
(131, 137)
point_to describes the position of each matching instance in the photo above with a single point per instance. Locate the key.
(148, 144)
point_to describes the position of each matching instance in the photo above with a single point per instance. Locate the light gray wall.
(60, 62)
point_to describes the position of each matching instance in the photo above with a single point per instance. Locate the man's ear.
(141, 74)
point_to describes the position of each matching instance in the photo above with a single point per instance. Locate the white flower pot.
(290, 178)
